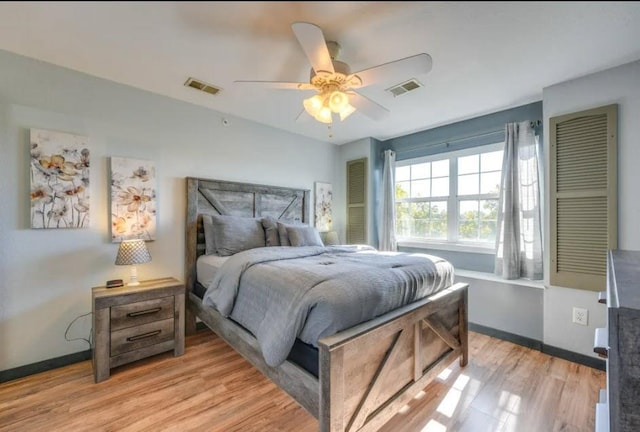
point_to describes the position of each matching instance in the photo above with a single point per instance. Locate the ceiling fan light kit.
(324, 104)
(333, 81)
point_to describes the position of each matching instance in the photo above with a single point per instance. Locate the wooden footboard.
(368, 372)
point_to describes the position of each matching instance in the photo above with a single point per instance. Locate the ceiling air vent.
(405, 87)
(202, 86)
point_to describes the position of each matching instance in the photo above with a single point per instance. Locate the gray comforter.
(280, 293)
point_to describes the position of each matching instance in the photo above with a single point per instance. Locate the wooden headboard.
(205, 196)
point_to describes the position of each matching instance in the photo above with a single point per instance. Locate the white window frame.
(453, 200)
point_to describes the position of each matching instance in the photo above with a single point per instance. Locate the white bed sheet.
(207, 266)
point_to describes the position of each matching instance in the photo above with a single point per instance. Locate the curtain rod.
(532, 124)
(449, 142)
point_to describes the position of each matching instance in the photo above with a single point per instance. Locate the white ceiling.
(487, 56)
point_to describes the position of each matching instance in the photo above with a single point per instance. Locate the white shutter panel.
(583, 183)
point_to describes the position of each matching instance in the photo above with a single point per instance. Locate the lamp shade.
(331, 238)
(133, 252)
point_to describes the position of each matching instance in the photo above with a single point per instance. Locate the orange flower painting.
(59, 180)
(133, 199)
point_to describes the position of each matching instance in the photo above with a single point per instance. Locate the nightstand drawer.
(133, 338)
(143, 312)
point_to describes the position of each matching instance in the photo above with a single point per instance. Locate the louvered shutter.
(357, 201)
(583, 198)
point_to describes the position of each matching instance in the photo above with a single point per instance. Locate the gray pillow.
(271, 235)
(304, 236)
(209, 240)
(282, 232)
(234, 234)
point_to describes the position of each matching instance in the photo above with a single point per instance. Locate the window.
(450, 198)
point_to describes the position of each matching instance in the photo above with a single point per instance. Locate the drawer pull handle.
(144, 312)
(143, 336)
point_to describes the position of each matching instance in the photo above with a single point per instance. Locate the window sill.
(494, 278)
(457, 247)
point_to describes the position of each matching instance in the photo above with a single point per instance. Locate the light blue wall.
(46, 275)
(474, 132)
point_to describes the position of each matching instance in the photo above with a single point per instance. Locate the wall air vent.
(202, 86)
(405, 87)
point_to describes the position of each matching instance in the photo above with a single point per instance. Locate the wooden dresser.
(134, 322)
(619, 406)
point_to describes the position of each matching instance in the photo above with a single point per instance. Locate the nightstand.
(134, 322)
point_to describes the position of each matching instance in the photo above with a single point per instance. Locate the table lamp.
(132, 252)
(331, 238)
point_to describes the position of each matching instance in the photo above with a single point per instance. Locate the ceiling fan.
(333, 81)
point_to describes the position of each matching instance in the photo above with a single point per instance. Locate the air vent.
(405, 87)
(202, 86)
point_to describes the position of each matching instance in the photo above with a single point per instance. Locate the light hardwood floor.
(505, 388)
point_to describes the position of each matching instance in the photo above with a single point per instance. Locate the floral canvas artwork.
(59, 180)
(323, 206)
(133, 199)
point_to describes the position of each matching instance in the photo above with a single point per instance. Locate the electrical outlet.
(581, 316)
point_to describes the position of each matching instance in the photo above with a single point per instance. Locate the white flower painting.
(59, 180)
(323, 197)
(133, 199)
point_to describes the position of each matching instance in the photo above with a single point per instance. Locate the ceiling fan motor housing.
(340, 79)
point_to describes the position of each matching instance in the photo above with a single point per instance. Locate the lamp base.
(133, 281)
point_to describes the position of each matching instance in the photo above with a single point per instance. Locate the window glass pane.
(420, 228)
(468, 164)
(420, 216)
(439, 210)
(438, 229)
(420, 188)
(403, 219)
(421, 171)
(468, 210)
(490, 182)
(468, 230)
(491, 161)
(440, 187)
(403, 173)
(402, 190)
(488, 231)
(468, 184)
(489, 209)
(440, 168)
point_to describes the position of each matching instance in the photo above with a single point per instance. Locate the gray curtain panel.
(519, 239)
(387, 234)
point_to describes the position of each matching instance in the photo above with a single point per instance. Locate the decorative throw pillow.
(209, 240)
(271, 235)
(234, 234)
(304, 236)
(282, 232)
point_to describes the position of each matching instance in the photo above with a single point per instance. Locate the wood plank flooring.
(505, 388)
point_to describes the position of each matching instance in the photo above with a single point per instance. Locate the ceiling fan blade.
(396, 70)
(280, 85)
(367, 107)
(312, 40)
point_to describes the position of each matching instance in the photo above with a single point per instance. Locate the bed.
(363, 374)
